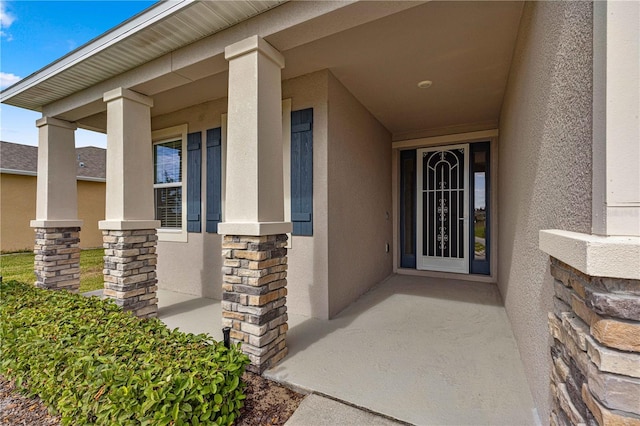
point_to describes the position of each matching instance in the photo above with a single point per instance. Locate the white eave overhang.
(160, 29)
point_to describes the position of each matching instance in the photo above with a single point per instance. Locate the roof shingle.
(91, 161)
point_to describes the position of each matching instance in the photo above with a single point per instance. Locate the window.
(169, 163)
(167, 182)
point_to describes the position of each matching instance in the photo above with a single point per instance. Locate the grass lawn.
(19, 267)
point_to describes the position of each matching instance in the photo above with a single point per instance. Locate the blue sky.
(35, 33)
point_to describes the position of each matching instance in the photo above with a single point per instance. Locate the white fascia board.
(144, 19)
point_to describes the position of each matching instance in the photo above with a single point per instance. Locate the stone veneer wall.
(595, 377)
(57, 260)
(254, 296)
(130, 270)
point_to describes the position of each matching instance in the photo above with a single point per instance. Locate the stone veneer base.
(595, 376)
(57, 260)
(254, 296)
(130, 270)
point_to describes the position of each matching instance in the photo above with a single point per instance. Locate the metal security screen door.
(443, 200)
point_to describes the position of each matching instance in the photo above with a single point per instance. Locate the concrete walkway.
(424, 351)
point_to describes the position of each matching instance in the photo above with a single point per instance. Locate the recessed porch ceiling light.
(425, 84)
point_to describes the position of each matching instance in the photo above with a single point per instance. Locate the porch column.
(57, 250)
(595, 375)
(254, 282)
(129, 229)
(616, 118)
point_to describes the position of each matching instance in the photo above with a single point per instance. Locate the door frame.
(453, 139)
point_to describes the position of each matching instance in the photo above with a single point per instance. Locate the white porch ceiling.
(465, 48)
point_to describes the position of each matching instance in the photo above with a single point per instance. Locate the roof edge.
(35, 174)
(149, 16)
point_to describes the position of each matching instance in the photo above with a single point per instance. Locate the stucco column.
(255, 264)
(57, 250)
(129, 228)
(57, 195)
(616, 118)
(254, 194)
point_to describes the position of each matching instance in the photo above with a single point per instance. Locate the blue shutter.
(194, 184)
(302, 171)
(214, 179)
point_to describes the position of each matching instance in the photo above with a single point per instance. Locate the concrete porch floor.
(422, 350)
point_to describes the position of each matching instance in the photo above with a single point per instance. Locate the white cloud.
(7, 79)
(6, 18)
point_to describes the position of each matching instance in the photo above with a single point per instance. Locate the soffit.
(465, 48)
(160, 29)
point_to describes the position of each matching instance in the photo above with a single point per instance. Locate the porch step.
(319, 410)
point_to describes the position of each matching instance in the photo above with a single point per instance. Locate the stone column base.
(595, 376)
(254, 296)
(130, 270)
(57, 261)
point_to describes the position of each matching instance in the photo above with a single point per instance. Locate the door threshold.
(450, 275)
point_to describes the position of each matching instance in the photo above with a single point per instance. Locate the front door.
(443, 206)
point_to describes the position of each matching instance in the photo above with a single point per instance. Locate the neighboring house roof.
(14, 156)
(92, 162)
(23, 159)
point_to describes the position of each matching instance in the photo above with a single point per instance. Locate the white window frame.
(167, 135)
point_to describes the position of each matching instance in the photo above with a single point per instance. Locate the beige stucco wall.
(360, 222)
(18, 207)
(308, 285)
(91, 208)
(545, 168)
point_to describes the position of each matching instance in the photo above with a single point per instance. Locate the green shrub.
(93, 363)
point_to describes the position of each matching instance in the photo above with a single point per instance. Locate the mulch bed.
(267, 403)
(16, 409)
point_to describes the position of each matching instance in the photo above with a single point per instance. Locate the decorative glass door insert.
(443, 200)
